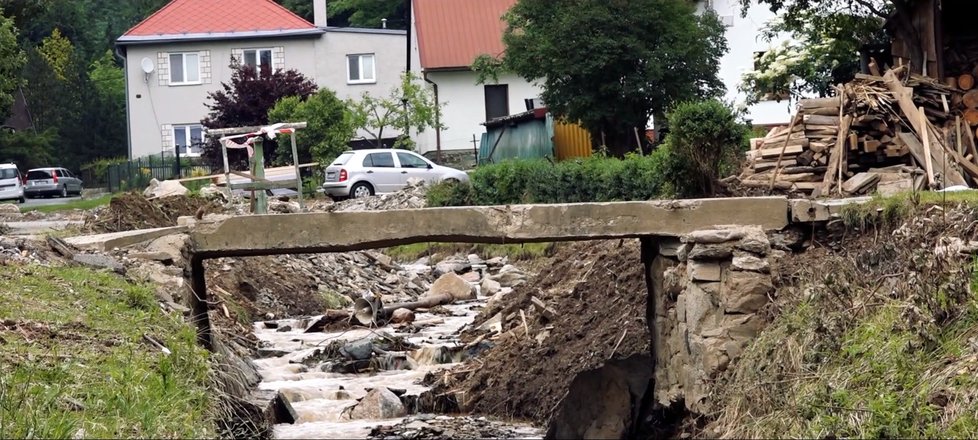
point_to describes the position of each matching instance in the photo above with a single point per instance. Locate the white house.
(448, 35)
(744, 41)
(178, 55)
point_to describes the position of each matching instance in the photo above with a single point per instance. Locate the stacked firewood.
(892, 132)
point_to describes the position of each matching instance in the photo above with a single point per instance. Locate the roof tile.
(452, 33)
(213, 16)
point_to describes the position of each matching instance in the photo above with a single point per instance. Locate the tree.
(329, 129)
(245, 101)
(823, 50)
(374, 115)
(705, 140)
(12, 59)
(28, 149)
(636, 59)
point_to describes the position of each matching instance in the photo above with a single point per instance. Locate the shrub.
(705, 140)
(594, 179)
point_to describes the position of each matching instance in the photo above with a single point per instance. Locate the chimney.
(319, 13)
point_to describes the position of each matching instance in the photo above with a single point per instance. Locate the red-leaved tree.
(245, 102)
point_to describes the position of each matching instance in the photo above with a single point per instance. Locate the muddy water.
(319, 398)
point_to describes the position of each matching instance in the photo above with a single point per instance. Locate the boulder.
(358, 350)
(472, 277)
(755, 241)
(745, 292)
(171, 245)
(490, 287)
(452, 266)
(402, 316)
(509, 276)
(212, 192)
(378, 404)
(100, 262)
(284, 207)
(701, 312)
(720, 251)
(453, 285)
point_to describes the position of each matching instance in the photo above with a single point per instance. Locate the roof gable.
(452, 33)
(225, 17)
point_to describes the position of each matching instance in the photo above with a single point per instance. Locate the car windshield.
(343, 159)
(38, 174)
(8, 173)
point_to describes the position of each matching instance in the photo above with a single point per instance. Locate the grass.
(74, 361)
(893, 209)
(71, 205)
(438, 251)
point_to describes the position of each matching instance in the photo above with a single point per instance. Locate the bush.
(594, 179)
(705, 141)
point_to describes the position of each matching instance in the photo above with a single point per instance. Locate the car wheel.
(64, 191)
(22, 199)
(362, 189)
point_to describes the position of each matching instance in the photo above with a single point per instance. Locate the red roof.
(452, 33)
(218, 16)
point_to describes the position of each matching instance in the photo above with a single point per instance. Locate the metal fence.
(136, 174)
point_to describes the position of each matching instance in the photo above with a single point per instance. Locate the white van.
(11, 183)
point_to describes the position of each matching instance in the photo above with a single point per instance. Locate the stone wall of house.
(710, 286)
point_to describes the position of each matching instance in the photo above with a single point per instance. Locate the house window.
(360, 69)
(258, 58)
(497, 101)
(189, 139)
(184, 68)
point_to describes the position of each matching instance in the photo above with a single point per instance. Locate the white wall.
(743, 40)
(154, 105)
(465, 107)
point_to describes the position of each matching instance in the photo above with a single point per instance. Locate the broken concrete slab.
(99, 261)
(112, 240)
(345, 231)
(808, 211)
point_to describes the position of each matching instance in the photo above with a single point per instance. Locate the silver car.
(43, 182)
(362, 173)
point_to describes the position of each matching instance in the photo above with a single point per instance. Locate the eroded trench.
(702, 298)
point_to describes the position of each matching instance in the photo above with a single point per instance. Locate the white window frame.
(183, 59)
(258, 51)
(186, 128)
(373, 69)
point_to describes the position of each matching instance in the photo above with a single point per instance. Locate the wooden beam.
(777, 166)
(925, 137)
(835, 159)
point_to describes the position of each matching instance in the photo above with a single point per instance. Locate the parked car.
(11, 183)
(43, 182)
(362, 173)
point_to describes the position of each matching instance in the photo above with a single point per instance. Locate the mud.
(599, 293)
(132, 211)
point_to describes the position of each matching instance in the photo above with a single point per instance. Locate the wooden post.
(261, 199)
(777, 166)
(298, 178)
(925, 138)
(957, 128)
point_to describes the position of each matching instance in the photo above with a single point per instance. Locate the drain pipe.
(434, 86)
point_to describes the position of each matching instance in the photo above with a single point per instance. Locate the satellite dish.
(147, 65)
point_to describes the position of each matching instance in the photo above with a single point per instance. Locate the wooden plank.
(836, 158)
(859, 183)
(871, 145)
(831, 102)
(821, 120)
(925, 135)
(777, 167)
(774, 152)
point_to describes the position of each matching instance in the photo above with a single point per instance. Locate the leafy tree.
(28, 149)
(374, 115)
(357, 13)
(329, 128)
(611, 65)
(12, 59)
(58, 52)
(823, 49)
(704, 140)
(245, 101)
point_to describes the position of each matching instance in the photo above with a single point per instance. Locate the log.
(784, 147)
(966, 81)
(871, 145)
(835, 160)
(970, 99)
(766, 185)
(951, 81)
(853, 141)
(925, 139)
(971, 117)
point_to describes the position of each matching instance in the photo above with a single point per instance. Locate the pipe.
(120, 53)
(434, 86)
(371, 310)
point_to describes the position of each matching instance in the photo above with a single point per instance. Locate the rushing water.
(319, 398)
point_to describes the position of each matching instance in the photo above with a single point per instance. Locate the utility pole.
(407, 64)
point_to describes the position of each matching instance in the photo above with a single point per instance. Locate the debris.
(99, 261)
(402, 316)
(166, 188)
(453, 285)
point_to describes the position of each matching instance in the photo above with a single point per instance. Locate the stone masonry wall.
(711, 285)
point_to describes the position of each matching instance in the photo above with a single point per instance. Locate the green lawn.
(74, 360)
(71, 205)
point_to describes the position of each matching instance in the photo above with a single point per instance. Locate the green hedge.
(594, 179)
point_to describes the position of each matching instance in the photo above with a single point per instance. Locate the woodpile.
(890, 133)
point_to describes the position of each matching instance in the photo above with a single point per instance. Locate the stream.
(320, 398)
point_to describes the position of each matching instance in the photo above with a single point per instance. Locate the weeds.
(82, 204)
(75, 363)
(515, 252)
